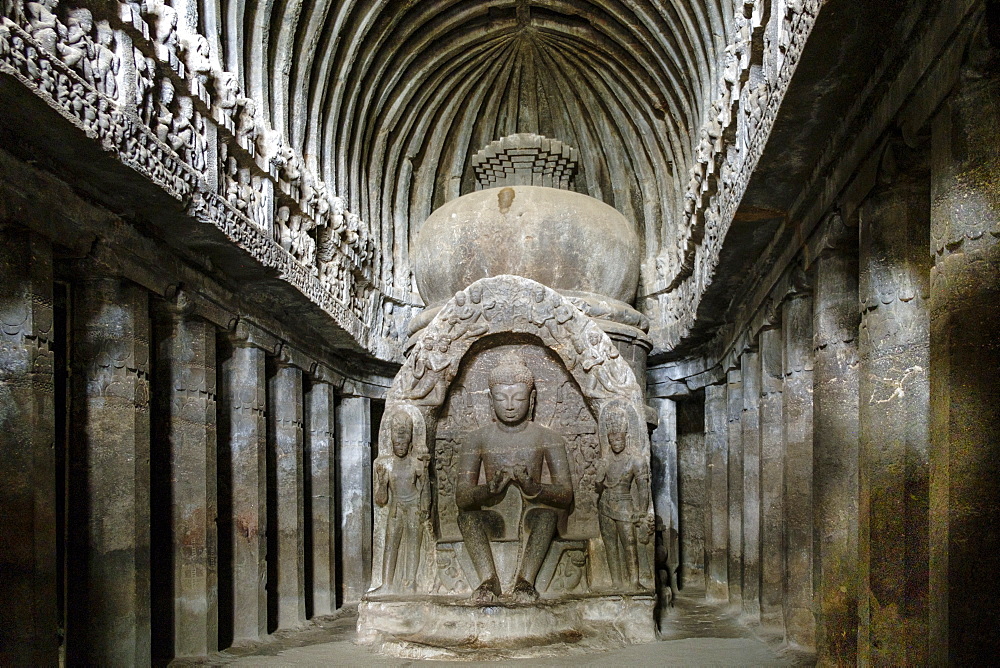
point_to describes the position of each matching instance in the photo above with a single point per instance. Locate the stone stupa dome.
(563, 239)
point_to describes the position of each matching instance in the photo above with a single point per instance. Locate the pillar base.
(448, 628)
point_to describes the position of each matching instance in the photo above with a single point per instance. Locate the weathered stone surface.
(964, 358)
(734, 414)
(243, 483)
(772, 486)
(666, 500)
(797, 410)
(894, 412)
(691, 489)
(286, 425)
(354, 477)
(184, 386)
(435, 630)
(28, 622)
(559, 238)
(835, 451)
(541, 472)
(717, 494)
(320, 434)
(107, 595)
(750, 438)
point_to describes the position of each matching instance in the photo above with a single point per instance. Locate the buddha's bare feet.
(488, 592)
(524, 592)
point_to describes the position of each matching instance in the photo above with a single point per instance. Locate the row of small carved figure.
(88, 47)
(715, 169)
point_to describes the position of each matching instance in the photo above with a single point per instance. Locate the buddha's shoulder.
(544, 433)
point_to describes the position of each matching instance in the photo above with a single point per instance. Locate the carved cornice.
(136, 98)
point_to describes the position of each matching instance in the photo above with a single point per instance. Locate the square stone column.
(28, 618)
(243, 483)
(835, 450)
(691, 489)
(321, 450)
(772, 485)
(663, 452)
(354, 441)
(184, 386)
(796, 325)
(965, 364)
(734, 408)
(108, 572)
(894, 387)
(717, 508)
(286, 416)
(750, 439)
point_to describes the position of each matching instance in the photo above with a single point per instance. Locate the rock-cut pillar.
(835, 449)
(717, 498)
(796, 325)
(894, 409)
(185, 399)
(354, 444)
(108, 571)
(772, 487)
(964, 361)
(243, 464)
(28, 618)
(750, 438)
(321, 449)
(286, 415)
(734, 408)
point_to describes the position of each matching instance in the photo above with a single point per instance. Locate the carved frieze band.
(758, 66)
(145, 90)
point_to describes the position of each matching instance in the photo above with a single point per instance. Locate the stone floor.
(697, 634)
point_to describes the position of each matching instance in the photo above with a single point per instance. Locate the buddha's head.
(512, 390)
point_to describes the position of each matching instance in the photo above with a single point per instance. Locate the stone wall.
(177, 482)
(854, 401)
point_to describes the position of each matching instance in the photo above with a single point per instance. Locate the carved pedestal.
(512, 489)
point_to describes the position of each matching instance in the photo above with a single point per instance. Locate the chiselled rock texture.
(835, 450)
(751, 440)
(734, 467)
(894, 351)
(108, 586)
(185, 391)
(286, 561)
(965, 279)
(354, 475)
(797, 410)
(772, 486)
(242, 466)
(717, 496)
(320, 446)
(27, 435)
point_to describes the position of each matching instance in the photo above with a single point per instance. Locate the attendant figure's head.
(617, 427)
(512, 390)
(401, 434)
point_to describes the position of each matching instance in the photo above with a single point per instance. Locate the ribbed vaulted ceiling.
(388, 100)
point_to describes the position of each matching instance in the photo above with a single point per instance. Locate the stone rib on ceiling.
(388, 100)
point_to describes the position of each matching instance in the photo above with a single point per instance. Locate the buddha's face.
(512, 403)
(617, 442)
(401, 434)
